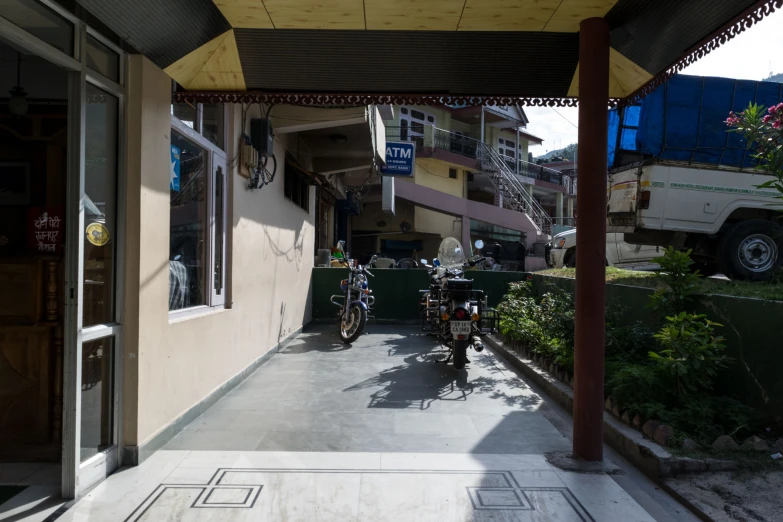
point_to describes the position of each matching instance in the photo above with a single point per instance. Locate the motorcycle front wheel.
(352, 324)
(460, 354)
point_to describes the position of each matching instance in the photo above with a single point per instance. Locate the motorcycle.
(356, 297)
(451, 307)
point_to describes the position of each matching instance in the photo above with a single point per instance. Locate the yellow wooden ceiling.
(414, 15)
(215, 66)
(624, 77)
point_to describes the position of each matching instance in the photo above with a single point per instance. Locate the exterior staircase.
(509, 188)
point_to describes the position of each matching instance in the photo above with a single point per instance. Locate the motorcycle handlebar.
(367, 272)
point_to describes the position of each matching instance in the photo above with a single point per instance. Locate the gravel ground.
(734, 496)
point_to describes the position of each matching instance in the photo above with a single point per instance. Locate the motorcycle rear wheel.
(460, 354)
(352, 326)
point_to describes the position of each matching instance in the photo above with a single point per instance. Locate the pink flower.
(777, 124)
(767, 118)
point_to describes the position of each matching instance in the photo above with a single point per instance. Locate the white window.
(198, 200)
(412, 124)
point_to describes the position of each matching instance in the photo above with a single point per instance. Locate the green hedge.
(751, 327)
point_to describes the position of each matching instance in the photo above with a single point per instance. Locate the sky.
(752, 55)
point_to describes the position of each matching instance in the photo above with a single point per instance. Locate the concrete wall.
(172, 365)
(397, 291)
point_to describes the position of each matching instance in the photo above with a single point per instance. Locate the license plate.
(460, 327)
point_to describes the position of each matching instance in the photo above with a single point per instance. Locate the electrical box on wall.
(248, 157)
(262, 137)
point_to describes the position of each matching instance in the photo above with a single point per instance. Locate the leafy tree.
(763, 131)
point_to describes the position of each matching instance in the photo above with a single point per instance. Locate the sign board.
(400, 158)
(175, 166)
(387, 195)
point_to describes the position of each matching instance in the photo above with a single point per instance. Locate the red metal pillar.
(591, 239)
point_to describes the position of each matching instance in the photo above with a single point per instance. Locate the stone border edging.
(651, 458)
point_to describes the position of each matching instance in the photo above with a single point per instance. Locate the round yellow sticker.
(97, 234)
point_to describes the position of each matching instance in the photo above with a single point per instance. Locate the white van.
(732, 226)
(618, 252)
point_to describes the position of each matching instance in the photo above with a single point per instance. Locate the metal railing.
(457, 143)
(501, 170)
(564, 221)
(511, 189)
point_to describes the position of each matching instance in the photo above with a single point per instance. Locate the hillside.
(775, 78)
(567, 152)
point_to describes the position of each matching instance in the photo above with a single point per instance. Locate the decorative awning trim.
(361, 100)
(740, 24)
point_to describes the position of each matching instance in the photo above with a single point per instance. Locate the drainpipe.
(482, 124)
(466, 234)
(518, 154)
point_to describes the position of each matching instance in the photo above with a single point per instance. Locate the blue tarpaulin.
(683, 120)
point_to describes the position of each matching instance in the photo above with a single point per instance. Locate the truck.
(678, 177)
(619, 253)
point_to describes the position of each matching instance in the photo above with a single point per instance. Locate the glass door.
(86, 377)
(100, 321)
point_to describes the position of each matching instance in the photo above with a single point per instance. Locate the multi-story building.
(473, 178)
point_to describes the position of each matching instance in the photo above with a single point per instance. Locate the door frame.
(78, 476)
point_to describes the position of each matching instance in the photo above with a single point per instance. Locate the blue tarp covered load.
(683, 120)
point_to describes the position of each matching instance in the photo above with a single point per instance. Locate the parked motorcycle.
(356, 298)
(451, 307)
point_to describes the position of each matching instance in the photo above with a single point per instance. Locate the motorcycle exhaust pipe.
(478, 346)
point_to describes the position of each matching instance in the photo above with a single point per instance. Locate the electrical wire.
(566, 119)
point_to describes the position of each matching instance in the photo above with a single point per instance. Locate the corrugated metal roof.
(163, 30)
(523, 64)
(656, 33)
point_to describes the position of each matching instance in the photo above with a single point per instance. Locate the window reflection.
(102, 59)
(100, 206)
(97, 396)
(40, 21)
(212, 123)
(189, 228)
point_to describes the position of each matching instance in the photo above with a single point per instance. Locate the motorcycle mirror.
(479, 244)
(423, 261)
(436, 262)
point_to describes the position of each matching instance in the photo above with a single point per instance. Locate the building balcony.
(464, 149)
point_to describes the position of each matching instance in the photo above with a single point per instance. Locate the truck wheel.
(751, 250)
(570, 260)
(706, 269)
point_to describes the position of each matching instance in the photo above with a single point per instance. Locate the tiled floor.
(382, 394)
(372, 432)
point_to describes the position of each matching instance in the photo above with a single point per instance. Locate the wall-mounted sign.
(46, 229)
(400, 159)
(174, 175)
(387, 195)
(97, 234)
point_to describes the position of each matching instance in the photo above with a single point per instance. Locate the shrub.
(680, 282)
(626, 342)
(692, 353)
(545, 326)
(634, 385)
